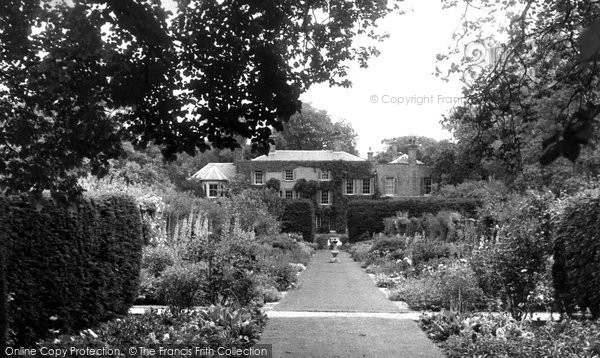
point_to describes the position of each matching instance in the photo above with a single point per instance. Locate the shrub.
(268, 293)
(367, 217)
(426, 250)
(148, 292)
(155, 259)
(213, 327)
(284, 276)
(183, 285)
(360, 251)
(576, 270)
(387, 245)
(79, 264)
(419, 293)
(494, 335)
(299, 216)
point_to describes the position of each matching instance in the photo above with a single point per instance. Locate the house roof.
(403, 159)
(215, 171)
(308, 155)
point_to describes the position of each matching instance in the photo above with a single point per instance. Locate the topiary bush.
(576, 271)
(76, 264)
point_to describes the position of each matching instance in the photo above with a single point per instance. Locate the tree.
(78, 77)
(313, 129)
(539, 99)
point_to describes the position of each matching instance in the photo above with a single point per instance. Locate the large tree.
(79, 76)
(313, 129)
(541, 96)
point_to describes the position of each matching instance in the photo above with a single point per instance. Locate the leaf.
(570, 149)
(550, 154)
(589, 42)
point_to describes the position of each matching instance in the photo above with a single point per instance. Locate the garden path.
(337, 311)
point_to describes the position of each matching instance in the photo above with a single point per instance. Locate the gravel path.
(337, 311)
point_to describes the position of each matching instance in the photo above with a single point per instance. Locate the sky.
(398, 94)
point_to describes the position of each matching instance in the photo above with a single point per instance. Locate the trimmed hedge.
(576, 270)
(69, 268)
(367, 216)
(299, 216)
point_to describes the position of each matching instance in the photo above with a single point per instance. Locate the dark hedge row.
(365, 217)
(299, 216)
(69, 268)
(576, 270)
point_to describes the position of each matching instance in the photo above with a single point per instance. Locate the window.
(349, 186)
(389, 186)
(288, 175)
(325, 175)
(325, 198)
(213, 190)
(289, 194)
(331, 224)
(427, 185)
(258, 178)
(318, 221)
(366, 186)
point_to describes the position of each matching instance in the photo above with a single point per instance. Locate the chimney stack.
(412, 153)
(238, 155)
(370, 155)
(272, 148)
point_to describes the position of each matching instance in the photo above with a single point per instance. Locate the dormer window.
(258, 178)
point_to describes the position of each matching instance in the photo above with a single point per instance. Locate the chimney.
(238, 155)
(370, 155)
(412, 153)
(272, 148)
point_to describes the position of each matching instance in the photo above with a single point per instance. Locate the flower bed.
(499, 335)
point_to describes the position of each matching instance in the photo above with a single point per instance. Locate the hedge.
(69, 268)
(365, 217)
(299, 216)
(576, 270)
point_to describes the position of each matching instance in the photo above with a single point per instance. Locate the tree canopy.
(77, 77)
(539, 99)
(313, 129)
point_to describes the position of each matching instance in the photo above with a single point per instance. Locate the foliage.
(386, 245)
(313, 129)
(360, 250)
(399, 145)
(299, 216)
(156, 259)
(539, 98)
(79, 76)
(576, 270)
(450, 285)
(497, 335)
(213, 327)
(368, 216)
(419, 293)
(284, 276)
(79, 265)
(510, 266)
(183, 285)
